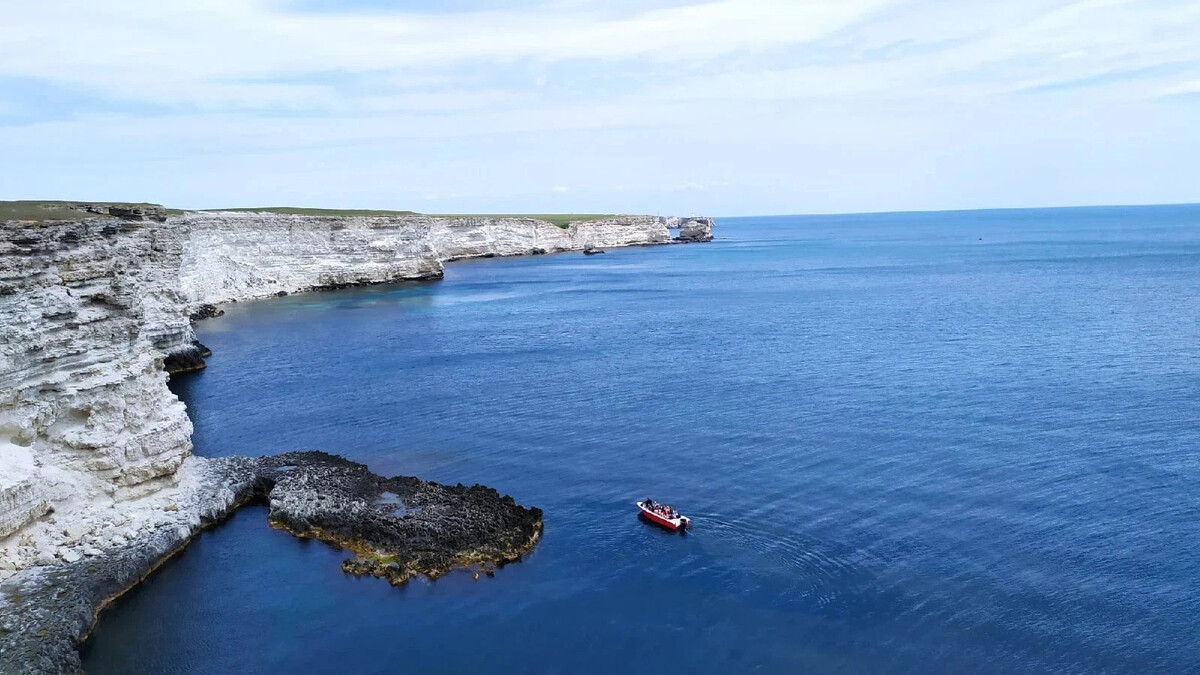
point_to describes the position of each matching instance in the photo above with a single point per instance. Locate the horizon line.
(981, 209)
(978, 209)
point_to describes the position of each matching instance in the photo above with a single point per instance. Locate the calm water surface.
(960, 442)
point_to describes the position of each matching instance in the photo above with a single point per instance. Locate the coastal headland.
(98, 485)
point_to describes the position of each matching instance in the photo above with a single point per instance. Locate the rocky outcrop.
(695, 229)
(396, 527)
(22, 499)
(95, 311)
(187, 359)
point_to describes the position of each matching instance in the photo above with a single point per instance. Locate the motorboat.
(662, 515)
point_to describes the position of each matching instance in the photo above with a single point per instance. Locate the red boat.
(663, 515)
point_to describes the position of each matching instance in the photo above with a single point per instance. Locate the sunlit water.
(919, 443)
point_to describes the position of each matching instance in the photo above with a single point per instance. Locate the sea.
(954, 442)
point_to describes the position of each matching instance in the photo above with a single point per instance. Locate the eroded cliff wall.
(85, 413)
(89, 309)
(237, 256)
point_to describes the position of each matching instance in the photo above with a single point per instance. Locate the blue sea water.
(911, 443)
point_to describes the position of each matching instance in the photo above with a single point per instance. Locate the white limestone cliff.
(237, 256)
(91, 439)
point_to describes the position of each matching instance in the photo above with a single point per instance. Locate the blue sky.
(726, 107)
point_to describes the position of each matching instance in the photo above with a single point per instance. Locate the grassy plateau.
(38, 211)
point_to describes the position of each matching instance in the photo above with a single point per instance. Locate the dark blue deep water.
(913, 443)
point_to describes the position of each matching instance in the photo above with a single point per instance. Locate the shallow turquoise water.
(956, 442)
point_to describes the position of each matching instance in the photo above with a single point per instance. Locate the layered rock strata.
(396, 527)
(86, 418)
(234, 256)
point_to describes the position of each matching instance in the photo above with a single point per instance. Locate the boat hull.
(672, 524)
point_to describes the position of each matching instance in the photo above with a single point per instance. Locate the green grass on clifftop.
(559, 219)
(41, 211)
(298, 211)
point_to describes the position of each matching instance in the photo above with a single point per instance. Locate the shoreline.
(47, 613)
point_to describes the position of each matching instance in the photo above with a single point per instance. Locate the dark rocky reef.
(187, 360)
(206, 311)
(396, 528)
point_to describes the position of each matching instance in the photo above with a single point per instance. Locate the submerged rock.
(439, 527)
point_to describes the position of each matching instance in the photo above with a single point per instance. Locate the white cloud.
(197, 50)
(1182, 88)
(835, 105)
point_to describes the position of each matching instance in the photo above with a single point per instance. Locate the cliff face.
(237, 256)
(90, 308)
(84, 409)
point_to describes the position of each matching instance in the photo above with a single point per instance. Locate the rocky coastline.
(396, 528)
(97, 482)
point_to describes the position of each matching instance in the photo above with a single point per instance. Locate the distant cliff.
(92, 306)
(236, 256)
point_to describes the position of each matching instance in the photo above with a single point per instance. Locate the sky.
(723, 107)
